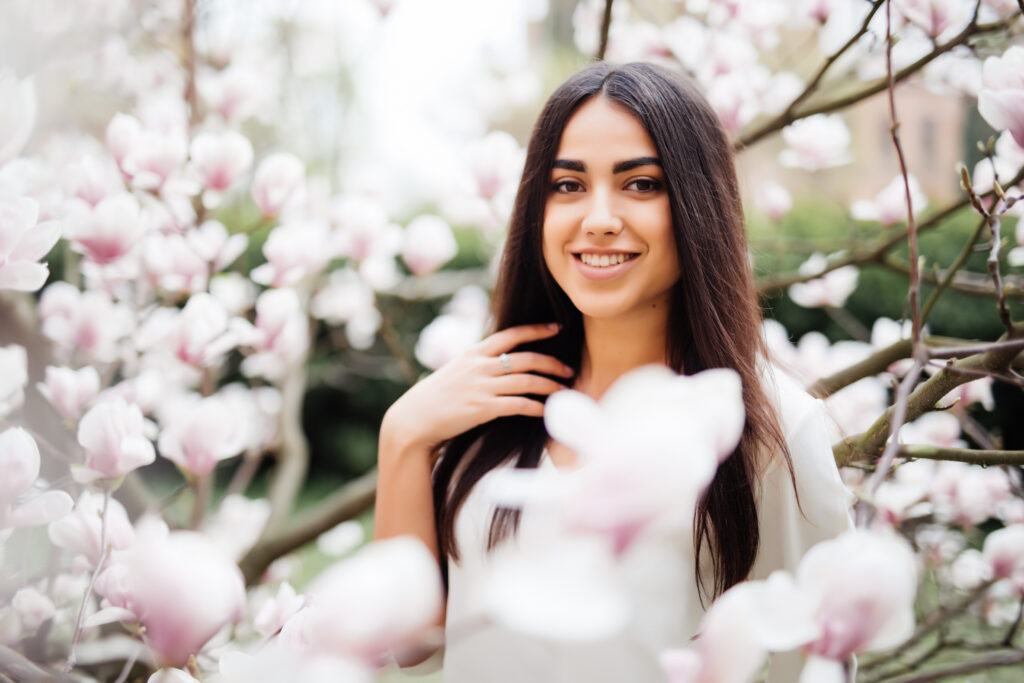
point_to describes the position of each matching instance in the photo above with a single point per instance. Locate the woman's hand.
(482, 384)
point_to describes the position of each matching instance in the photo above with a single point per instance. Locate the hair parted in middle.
(714, 314)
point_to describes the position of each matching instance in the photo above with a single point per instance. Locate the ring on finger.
(505, 362)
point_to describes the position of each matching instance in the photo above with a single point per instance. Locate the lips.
(605, 265)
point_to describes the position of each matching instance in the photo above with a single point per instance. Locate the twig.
(961, 259)
(606, 24)
(1004, 377)
(981, 664)
(971, 349)
(1008, 640)
(972, 284)
(872, 365)
(70, 663)
(970, 456)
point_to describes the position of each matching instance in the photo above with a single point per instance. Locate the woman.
(626, 247)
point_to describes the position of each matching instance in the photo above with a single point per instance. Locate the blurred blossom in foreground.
(453, 332)
(23, 242)
(831, 289)
(773, 199)
(13, 377)
(17, 116)
(428, 244)
(79, 533)
(112, 434)
(19, 462)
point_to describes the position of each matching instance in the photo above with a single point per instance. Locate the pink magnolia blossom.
(447, 337)
(734, 100)
(172, 265)
(148, 157)
(13, 377)
(112, 435)
(773, 199)
(816, 143)
(294, 251)
(856, 407)
(1001, 101)
(967, 495)
(375, 603)
(92, 179)
(70, 391)
(259, 411)
(940, 429)
(214, 245)
(890, 205)
(18, 114)
(856, 615)
(905, 489)
(279, 178)
(236, 93)
(238, 522)
(19, 464)
(80, 532)
(281, 338)
(201, 435)
(23, 242)
(936, 17)
(1004, 551)
(218, 161)
(87, 324)
(977, 391)
(109, 231)
(235, 292)
(180, 586)
(831, 289)
(199, 334)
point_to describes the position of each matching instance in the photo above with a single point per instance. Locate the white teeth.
(603, 260)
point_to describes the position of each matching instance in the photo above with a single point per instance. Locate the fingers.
(509, 338)
(527, 361)
(525, 383)
(517, 405)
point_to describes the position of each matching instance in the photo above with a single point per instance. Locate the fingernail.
(568, 370)
(554, 326)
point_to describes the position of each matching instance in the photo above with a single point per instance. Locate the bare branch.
(971, 457)
(991, 661)
(872, 365)
(606, 24)
(18, 668)
(351, 500)
(293, 455)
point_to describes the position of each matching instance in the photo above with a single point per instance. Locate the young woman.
(626, 247)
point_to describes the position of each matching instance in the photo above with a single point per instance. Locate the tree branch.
(18, 668)
(606, 24)
(980, 664)
(872, 365)
(786, 118)
(967, 455)
(352, 499)
(293, 455)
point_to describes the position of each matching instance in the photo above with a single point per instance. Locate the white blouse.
(658, 571)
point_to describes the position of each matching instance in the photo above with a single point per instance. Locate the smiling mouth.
(605, 260)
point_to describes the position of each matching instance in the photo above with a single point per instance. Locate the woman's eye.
(565, 186)
(645, 185)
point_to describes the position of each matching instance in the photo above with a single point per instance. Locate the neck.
(614, 346)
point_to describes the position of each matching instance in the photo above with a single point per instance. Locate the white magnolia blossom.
(80, 532)
(113, 436)
(773, 199)
(202, 434)
(70, 391)
(238, 523)
(278, 179)
(217, 162)
(348, 299)
(281, 336)
(13, 377)
(831, 289)
(890, 205)
(940, 429)
(816, 143)
(23, 242)
(1001, 101)
(19, 504)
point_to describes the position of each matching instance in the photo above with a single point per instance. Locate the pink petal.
(23, 276)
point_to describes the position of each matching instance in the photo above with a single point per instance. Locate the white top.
(658, 570)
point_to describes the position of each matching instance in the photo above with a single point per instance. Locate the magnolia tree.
(303, 134)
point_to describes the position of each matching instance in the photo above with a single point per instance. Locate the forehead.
(602, 129)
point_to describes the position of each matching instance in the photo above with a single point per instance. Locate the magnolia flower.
(428, 244)
(70, 391)
(18, 115)
(375, 603)
(936, 17)
(831, 289)
(907, 487)
(1001, 101)
(773, 199)
(180, 586)
(294, 251)
(342, 539)
(199, 334)
(86, 323)
(939, 429)
(279, 178)
(22, 243)
(172, 265)
(168, 675)
(447, 337)
(281, 337)
(816, 142)
(890, 205)
(856, 407)
(258, 410)
(112, 435)
(19, 463)
(32, 608)
(80, 532)
(276, 662)
(214, 245)
(1004, 551)
(13, 377)
(218, 160)
(967, 495)
(235, 292)
(201, 435)
(275, 612)
(237, 92)
(348, 299)
(109, 231)
(856, 615)
(146, 156)
(734, 100)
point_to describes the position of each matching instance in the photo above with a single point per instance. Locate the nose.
(601, 217)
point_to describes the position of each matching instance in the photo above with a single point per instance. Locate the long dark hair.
(714, 316)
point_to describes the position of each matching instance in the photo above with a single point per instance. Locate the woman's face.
(608, 238)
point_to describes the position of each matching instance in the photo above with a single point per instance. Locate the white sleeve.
(788, 528)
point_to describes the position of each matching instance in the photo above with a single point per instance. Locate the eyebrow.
(620, 167)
